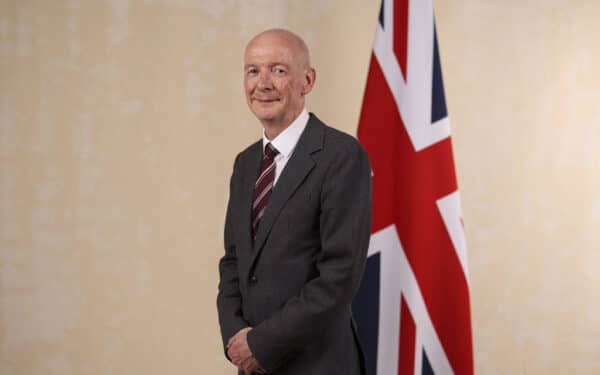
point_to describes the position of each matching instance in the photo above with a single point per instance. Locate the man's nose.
(264, 81)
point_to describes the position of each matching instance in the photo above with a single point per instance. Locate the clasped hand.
(240, 354)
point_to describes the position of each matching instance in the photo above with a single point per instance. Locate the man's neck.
(273, 129)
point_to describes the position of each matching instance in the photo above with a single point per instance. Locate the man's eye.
(251, 72)
(279, 71)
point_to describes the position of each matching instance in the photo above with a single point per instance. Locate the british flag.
(413, 307)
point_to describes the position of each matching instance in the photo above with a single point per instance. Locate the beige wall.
(119, 121)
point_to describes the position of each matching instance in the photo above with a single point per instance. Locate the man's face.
(275, 79)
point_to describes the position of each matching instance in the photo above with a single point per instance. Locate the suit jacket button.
(253, 279)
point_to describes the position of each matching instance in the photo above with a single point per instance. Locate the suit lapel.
(295, 171)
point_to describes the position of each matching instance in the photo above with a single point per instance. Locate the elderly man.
(297, 227)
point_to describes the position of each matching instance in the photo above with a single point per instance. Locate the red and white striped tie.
(263, 186)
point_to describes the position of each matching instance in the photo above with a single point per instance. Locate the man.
(297, 227)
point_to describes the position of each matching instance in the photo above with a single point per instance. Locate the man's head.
(277, 76)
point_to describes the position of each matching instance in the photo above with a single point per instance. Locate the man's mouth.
(266, 100)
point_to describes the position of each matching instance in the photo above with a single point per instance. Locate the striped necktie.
(263, 186)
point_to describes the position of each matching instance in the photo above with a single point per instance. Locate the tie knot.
(270, 151)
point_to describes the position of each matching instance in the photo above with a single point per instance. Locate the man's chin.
(264, 116)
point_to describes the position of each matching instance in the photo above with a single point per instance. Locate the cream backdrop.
(119, 122)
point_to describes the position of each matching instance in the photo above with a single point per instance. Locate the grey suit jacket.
(294, 284)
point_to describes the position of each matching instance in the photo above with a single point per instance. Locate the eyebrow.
(246, 66)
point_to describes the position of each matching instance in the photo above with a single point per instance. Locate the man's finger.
(235, 357)
(249, 365)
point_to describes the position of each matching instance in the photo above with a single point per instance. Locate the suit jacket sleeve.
(229, 300)
(345, 223)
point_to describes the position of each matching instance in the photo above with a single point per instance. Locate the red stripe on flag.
(401, 32)
(406, 359)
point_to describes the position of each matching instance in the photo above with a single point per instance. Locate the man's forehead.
(269, 54)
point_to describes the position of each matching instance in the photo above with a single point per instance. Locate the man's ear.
(309, 81)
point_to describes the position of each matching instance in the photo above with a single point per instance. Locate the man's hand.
(251, 366)
(240, 353)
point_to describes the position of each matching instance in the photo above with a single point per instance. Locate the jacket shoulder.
(337, 140)
(247, 155)
(250, 150)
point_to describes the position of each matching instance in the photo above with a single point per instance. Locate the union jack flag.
(412, 308)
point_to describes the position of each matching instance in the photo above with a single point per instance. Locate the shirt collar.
(286, 141)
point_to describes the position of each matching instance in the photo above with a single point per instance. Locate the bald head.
(295, 43)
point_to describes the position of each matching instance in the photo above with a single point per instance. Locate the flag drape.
(412, 308)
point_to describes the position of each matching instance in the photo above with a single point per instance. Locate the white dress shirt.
(286, 142)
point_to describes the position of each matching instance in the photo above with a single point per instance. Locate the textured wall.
(119, 121)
